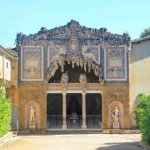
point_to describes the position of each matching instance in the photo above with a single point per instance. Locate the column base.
(84, 127)
(64, 127)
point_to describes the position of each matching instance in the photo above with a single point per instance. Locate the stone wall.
(115, 92)
(139, 74)
(32, 92)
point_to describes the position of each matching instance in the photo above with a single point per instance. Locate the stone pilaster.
(64, 126)
(84, 111)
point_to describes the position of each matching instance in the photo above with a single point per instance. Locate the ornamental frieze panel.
(55, 51)
(115, 64)
(94, 51)
(32, 63)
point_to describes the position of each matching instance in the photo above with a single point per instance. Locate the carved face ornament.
(73, 45)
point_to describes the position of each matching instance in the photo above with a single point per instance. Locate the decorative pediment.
(73, 28)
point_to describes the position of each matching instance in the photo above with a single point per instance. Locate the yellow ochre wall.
(139, 74)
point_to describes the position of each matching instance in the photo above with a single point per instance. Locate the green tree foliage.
(5, 113)
(145, 33)
(143, 117)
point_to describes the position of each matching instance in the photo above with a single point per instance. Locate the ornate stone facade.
(100, 59)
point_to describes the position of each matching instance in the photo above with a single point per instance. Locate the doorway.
(54, 111)
(93, 110)
(74, 110)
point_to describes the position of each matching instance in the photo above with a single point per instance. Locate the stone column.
(84, 111)
(64, 126)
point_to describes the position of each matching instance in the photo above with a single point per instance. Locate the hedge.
(143, 117)
(5, 113)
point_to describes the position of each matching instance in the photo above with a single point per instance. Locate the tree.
(5, 113)
(145, 33)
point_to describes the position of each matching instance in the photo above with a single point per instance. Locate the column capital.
(64, 93)
(84, 93)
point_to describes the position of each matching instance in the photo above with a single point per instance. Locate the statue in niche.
(115, 116)
(64, 80)
(83, 81)
(32, 120)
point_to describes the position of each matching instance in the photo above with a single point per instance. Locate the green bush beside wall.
(5, 113)
(143, 117)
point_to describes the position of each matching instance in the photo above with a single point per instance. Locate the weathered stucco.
(139, 74)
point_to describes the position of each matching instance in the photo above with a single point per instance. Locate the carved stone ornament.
(64, 81)
(73, 45)
(83, 62)
(62, 34)
(83, 81)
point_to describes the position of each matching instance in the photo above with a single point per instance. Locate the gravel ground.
(77, 142)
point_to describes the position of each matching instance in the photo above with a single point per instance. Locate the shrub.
(143, 117)
(5, 113)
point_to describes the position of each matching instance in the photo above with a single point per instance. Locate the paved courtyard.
(76, 142)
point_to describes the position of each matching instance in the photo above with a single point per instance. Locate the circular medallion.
(73, 45)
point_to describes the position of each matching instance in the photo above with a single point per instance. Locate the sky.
(28, 16)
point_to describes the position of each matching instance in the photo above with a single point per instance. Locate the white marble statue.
(115, 115)
(32, 120)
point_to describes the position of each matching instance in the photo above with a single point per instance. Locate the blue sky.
(28, 16)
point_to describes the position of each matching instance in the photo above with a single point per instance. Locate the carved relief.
(116, 115)
(32, 115)
(115, 64)
(32, 63)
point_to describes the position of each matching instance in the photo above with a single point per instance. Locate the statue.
(32, 120)
(115, 115)
(83, 81)
(64, 80)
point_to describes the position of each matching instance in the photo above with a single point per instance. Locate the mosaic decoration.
(32, 63)
(115, 64)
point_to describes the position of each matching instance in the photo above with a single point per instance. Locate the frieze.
(32, 63)
(115, 64)
(62, 34)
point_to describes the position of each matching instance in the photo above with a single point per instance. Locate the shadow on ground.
(120, 146)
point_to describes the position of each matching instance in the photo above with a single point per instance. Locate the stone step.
(74, 131)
